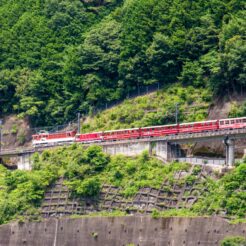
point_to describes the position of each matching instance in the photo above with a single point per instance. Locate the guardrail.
(202, 161)
(17, 151)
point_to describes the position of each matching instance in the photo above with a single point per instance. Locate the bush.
(155, 214)
(233, 241)
(21, 138)
(90, 187)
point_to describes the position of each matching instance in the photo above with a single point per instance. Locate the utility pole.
(78, 131)
(1, 122)
(177, 113)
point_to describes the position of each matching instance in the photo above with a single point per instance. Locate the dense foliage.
(58, 57)
(227, 195)
(86, 170)
(21, 191)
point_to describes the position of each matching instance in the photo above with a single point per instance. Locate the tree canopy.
(58, 57)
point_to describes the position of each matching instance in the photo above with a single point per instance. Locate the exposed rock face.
(15, 132)
(220, 110)
(116, 231)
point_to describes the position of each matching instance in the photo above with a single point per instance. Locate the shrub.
(233, 241)
(89, 187)
(190, 179)
(14, 129)
(196, 170)
(21, 138)
(155, 214)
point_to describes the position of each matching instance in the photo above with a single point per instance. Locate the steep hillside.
(61, 57)
(156, 108)
(99, 182)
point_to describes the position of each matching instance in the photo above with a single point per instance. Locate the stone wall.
(120, 231)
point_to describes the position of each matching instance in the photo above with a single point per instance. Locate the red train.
(45, 138)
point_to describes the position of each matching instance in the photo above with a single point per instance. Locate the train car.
(202, 126)
(121, 134)
(233, 123)
(44, 138)
(89, 137)
(156, 131)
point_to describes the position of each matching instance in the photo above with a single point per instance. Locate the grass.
(114, 213)
(153, 109)
(173, 213)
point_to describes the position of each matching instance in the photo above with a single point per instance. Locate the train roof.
(147, 127)
(234, 118)
(198, 122)
(83, 133)
(120, 130)
(43, 132)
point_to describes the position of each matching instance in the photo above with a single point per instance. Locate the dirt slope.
(15, 132)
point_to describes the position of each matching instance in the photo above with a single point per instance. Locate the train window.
(244, 120)
(227, 122)
(222, 122)
(232, 122)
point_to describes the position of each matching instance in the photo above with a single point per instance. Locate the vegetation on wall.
(227, 195)
(61, 57)
(233, 241)
(22, 191)
(86, 170)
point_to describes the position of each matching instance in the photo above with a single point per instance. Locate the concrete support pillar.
(230, 152)
(176, 151)
(129, 149)
(166, 151)
(24, 162)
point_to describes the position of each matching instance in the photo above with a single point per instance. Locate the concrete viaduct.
(166, 148)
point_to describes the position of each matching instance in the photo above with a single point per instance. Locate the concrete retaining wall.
(119, 231)
(129, 149)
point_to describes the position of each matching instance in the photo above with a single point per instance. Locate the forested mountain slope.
(58, 57)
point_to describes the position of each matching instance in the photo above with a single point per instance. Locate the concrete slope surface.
(114, 231)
